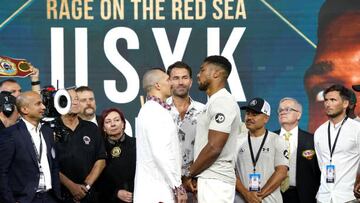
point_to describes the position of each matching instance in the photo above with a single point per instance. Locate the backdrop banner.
(109, 44)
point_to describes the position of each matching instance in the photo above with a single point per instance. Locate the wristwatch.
(187, 173)
(88, 187)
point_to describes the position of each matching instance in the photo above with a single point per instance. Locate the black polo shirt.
(119, 172)
(2, 126)
(82, 149)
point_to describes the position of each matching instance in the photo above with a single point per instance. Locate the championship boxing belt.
(11, 67)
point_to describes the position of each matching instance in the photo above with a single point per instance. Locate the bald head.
(151, 77)
(30, 106)
(24, 99)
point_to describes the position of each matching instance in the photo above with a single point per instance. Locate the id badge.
(42, 186)
(254, 182)
(330, 173)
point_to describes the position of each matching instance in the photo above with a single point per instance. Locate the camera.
(57, 103)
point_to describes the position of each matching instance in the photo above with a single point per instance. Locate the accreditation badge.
(330, 173)
(254, 182)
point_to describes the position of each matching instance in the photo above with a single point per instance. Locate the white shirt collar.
(31, 127)
(293, 131)
(94, 120)
(336, 126)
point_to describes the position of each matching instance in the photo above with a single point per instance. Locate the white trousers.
(215, 191)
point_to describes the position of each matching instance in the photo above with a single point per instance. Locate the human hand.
(180, 194)
(125, 196)
(35, 74)
(189, 184)
(252, 197)
(78, 191)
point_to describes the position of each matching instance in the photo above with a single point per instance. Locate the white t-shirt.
(346, 158)
(220, 114)
(272, 155)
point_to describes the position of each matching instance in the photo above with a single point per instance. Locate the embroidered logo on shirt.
(286, 154)
(219, 118)
(86, 140)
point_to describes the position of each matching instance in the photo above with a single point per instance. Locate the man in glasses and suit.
(303, 178)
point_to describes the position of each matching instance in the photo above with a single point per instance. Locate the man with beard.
(184, 111)
(337, 146)
(337, 55)
(158, 154)
(87, 104)
(215, 142)
(81, 154)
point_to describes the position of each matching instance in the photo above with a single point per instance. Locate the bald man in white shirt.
(158, 154)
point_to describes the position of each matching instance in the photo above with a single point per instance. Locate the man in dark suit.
(28, 168)
(303, 178)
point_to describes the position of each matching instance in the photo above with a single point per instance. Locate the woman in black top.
(117, 180)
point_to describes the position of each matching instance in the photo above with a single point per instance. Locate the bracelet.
(88, 187)
(35, 83)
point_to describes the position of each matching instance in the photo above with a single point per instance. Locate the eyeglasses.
(286, 110)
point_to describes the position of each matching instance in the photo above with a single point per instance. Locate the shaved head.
(27, 100)
(23, 99)
(151, 77)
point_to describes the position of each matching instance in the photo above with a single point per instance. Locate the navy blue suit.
(19, 171)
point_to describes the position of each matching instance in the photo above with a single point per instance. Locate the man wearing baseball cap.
(8, 112)
(262, 162)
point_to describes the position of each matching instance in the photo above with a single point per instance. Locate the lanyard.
(332, 149)
(259, 151)
(38, 153)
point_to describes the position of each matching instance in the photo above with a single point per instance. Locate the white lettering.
(213, 42)
(57, 57)
(121, 64)
(168, 57)
(81, 57)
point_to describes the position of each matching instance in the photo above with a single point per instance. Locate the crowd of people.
(183, 150)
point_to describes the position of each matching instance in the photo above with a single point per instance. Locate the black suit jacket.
(307, 169)
(19, 171)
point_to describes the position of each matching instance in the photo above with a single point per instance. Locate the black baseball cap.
(258, 105)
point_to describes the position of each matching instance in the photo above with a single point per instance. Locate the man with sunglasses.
(303, 178)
